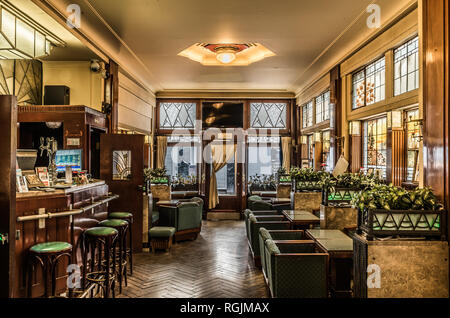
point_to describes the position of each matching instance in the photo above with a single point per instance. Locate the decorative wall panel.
(268, 115)
(177, 115)
(22, 78)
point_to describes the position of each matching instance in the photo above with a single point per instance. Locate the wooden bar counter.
(31, 232)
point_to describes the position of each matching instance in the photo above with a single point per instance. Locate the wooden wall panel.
(398, 162)
(435, 31)
(356, 153)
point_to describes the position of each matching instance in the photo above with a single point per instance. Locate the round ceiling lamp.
(226, 54)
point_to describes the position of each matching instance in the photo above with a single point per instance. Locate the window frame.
(364, 70)
(364, 135)
(306, 117)
(406, 56)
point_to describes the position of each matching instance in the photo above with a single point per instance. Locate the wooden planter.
(301, 186)
(307, 201)
(402, 222)
(339, 195)
(337, 218)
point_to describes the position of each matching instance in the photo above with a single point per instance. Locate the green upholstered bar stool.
(127, 217)
(47, 255)
(122, 227)
(100, 242)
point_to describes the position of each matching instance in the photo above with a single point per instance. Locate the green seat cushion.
(161, 232)
(254, 198)
(101, 231)
(51, 247)
(120, 215)
(115, 223)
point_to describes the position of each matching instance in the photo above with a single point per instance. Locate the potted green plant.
(306, 179)
(156, 176)
(386, 210)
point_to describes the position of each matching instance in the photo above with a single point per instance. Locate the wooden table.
(301, 220)
(340, 248)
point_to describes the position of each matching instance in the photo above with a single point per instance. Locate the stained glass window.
(307, 111)
(323, 107)
(406, 67)
(412, 129)
(374, 145)
(369, 84)
(177, 115)
(268, 115)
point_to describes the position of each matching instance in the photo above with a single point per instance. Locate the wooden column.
(336, 118)
(356, 153)
(318, 156)
(396, 156)
(435, 81)
(8, 142)
(112, 96)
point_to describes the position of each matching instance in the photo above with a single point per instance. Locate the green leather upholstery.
(275, 222)
(261, 205)
(247, 213)
(198, 200)
(280, 235)
(189, 216)
(115, 223)
(251, 200)
(155, 216)
(119, 215)
(161, 232)
(295, 270)
(101, 231)
(185, 216)
(51, 247)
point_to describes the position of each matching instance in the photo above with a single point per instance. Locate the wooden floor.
(217, 264)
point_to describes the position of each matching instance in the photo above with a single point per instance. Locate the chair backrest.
(287, 235)
(197, 200)
(168, 216)
(189, 216)
(261, 205)
(271, 223)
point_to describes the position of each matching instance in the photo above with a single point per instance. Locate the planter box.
(307, 201)
(408, 269)
(402, 222)
(284, 191)
(307, 186)
(337, 218)
(339, 195)
(262, 188)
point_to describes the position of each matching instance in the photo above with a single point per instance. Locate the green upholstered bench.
(161, 237)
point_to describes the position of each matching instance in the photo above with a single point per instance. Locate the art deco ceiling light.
(226, 54)
(21, 37)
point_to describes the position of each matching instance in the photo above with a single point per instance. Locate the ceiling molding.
(266, 94)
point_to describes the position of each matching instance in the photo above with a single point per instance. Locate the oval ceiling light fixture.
(226, 54)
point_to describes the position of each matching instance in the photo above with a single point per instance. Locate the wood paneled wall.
(356, 153)
(396, 157)
(435, 31)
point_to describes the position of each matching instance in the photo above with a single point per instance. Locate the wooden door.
(121, 166)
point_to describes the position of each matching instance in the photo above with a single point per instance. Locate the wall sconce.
(317, 137)
(354, 128)
(395, 119)
(304, 140)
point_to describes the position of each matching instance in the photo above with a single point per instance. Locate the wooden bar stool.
(47, 255)
(127, 217)
(122, 227)
(100, 241)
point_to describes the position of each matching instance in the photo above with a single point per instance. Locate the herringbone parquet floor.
(215, 265)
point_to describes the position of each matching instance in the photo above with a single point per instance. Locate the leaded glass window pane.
(319, 109)
(374, 145)
(406, 67)
(369, 84)
(307, 112)
(177, 115)
(268, 115)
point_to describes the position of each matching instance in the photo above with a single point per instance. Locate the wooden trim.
(356, 153)
(223, 94)
(8, 122)
(315, 89)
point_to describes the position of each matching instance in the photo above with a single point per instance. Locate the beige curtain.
(161, 151)
(286, 150)
(220, 156)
